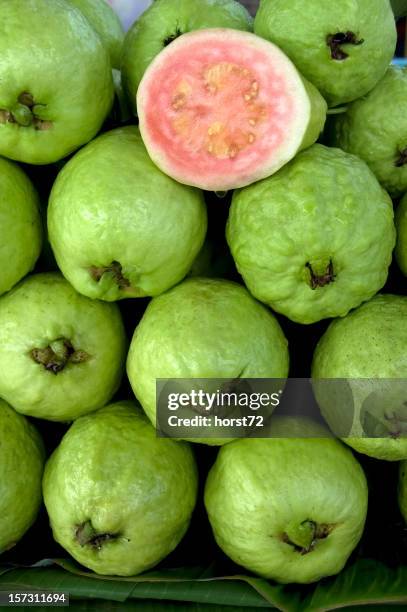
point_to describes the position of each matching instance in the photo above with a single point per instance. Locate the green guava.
(61, 354)
(315, 239)
(118, 498)
(21, 465)
(166, 20)
(367, 349)
(204, 328)
(219, 109)
(401, 227)
(343, 48)
(402, 489)
(56, 85)
(291, 509)
(20, 225)
(106, 23)
(375, 129)
(130, 231)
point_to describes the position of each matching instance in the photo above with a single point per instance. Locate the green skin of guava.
(342, 72)
(164, 21)
(204, 328)
(66, 358)
(315, 239)
(21, 465)
(129, 232)
(106, 23)
(56, 85)
(20, 225)
(375, 129)
(368, 344)
(402, 489)
(290, 509)
(119, 498)
(401, 227)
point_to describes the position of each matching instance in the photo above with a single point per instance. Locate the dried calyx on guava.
(220, 109)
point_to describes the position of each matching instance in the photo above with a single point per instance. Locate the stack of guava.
(208, 196)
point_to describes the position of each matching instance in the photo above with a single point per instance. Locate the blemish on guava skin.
(115, 269)
(86, 535)
(402, 159)
(320, 280)
(335, 42)
(55, 357)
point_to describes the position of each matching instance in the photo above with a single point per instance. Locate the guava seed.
(335, 41)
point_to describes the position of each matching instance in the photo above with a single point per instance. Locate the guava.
(107, 24)
(367, 351)
(220, 109)
(375, 129)
(343, 48)
(315, 239)
(61, 354)
(402, 489)
(130, 231)
(118, 498)
(166, 20)
(56, 85)
(291, 509)
(21, 465)
(20, 225)
(401, 227)
(204, 328)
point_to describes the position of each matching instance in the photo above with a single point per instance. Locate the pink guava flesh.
(220, 109)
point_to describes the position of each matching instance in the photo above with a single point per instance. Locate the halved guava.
(220, 109)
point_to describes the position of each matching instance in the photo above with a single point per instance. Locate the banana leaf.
(364, 584)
